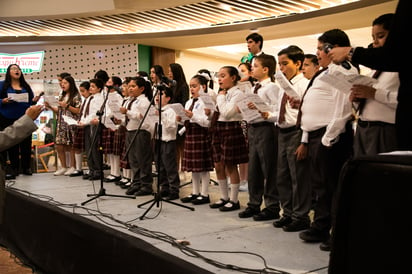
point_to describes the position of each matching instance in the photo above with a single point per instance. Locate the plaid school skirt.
(78, 140)
(108, 136)
(229, 143)
(197, 151)
(120, 147)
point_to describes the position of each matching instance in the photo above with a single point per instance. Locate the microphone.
(168, 81)
(327, 47)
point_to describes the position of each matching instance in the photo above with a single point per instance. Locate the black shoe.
(230, 206)
(10, 176)
(145, 190)
(112, 179)
(164, 193)
(249, 212)
(76, 173)
(86, 176)
(172, 196)
(134, 188)
(125, 185)
(297, 225)
(200, 200)
(314, 235)
(326, 245)
(189, 198)
(94, 178)
(285, 220)
(27, 172)
(266, 214)
(218, 204)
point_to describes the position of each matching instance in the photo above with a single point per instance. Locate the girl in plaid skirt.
(228, 141)
(197, 156)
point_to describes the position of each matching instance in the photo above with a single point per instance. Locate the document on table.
(286, 85)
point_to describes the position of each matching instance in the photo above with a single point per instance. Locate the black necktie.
(299, 118)
(282, 111)
(193, 103)
(86, 112)
(257, 87)
(362, 101)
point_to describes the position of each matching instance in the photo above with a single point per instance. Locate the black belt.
(372, 123)
(287, 129)
(317, 132)
(261, 124)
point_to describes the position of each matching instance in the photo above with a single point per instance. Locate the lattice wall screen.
(82, 61)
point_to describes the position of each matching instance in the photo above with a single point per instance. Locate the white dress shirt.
(326, 106)
(383, 107)
(269, 92)
(299, 83)
(227, 105)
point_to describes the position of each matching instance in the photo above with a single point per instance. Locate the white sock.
(196, 182)
(224, 190)
(79, 160)
(234, 192)
(127, 173)
(115, 165)
(205, 182)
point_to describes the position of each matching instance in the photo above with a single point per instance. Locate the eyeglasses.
(14, 68)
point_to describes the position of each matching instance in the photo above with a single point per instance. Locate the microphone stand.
(98, 132)
(157, 197)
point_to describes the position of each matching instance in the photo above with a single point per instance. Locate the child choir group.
(289, 131)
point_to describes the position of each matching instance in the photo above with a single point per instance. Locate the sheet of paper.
(345, 82)
(207, 100)
(247, 113)
(286, 85)
(51, 100)
(180, 111)
(19, 97)
(114, 106)
(245, 86)
(69, 120)
(108, 123)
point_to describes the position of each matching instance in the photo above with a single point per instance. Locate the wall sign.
(29, 62)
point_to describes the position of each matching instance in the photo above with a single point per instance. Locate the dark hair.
(202, 80)
(158, 69)
(294, 53)
(142, 73)
(313, 58)
(102, 75)
(74, 91)
(232, 72)
(210, 77)
(336, 37)
(162, 89)
(257, 38)
(386, 20)
(117, 81)
(249, 68)
(141, 82)
(23, 84)
(268, 61)
(98, 82)
(181, 88)
(85, 85)
(63, 75)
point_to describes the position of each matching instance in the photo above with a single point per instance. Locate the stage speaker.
(372, 232)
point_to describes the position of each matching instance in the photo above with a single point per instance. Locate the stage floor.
(216, 239)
